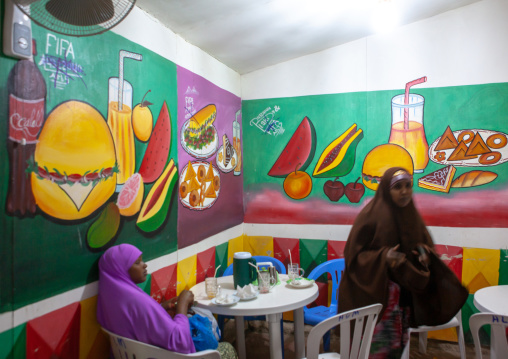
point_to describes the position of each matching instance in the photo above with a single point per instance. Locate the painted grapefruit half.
(130, 197)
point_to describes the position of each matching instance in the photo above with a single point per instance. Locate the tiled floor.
(257, 343)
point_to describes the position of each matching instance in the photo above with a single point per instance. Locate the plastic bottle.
(27, 109)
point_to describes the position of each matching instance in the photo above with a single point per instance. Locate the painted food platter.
(219, 160)
(231, 300)
(495, 141)
(300, 283)
(198, 190)
(203, 152)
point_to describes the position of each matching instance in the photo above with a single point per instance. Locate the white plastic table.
(493, 300)
(281, 298)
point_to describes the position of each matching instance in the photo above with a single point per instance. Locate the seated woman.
(126, 310)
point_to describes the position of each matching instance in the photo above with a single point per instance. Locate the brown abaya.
(434, 294)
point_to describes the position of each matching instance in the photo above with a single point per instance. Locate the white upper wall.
(461, 47)
(141, 28)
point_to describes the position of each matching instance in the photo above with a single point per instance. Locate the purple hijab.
(126, 310)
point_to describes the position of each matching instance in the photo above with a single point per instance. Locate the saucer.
(303, 283)
(247, 298)
(234, 298)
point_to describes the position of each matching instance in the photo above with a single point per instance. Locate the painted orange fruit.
(298, 185)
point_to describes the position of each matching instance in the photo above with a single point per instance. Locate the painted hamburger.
(75, 165)
(381, 158)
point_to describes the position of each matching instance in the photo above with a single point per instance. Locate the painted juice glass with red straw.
(407, 126)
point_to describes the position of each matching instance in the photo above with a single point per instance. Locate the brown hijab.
(382, 225)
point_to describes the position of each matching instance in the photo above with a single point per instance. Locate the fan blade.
(81, 12)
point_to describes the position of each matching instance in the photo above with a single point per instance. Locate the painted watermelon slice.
(299, 150)
(157, 151)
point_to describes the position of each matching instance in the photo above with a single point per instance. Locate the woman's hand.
(170, 306)
(184, 301)
(393, 258)
(422, 251)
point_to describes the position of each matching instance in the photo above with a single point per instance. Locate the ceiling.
(247, 35)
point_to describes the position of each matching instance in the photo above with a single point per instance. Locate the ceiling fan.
(76, 17)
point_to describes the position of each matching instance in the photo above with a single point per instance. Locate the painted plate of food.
(226, 158)
(200, 145)
(470, 148)
(199, 185)
(199, 136)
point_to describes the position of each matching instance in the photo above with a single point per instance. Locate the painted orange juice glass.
(408, 131)
(237, 134)
(120, 124)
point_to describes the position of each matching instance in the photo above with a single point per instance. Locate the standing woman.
(390, 259)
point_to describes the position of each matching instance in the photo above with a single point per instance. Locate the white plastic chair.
(423, 330)
(498, 323)
(364, 319)
(125, 348)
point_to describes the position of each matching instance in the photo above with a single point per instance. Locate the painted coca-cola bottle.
(27, 109)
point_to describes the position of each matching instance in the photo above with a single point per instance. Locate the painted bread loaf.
(474, 178)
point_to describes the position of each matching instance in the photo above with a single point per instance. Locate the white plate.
(207, 202)
(220, 164)
(204, 152)
(485, 134)
(233, 297)
(247, 298)
(305, 283)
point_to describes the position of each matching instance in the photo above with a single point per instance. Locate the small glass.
(294, 271)
(273, 275)
(264, 279)
(211, 287)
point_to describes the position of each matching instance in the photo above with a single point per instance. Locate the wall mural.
(268, 121)
(325, 168)
(81, 159)
(90, 150)
(211, 175)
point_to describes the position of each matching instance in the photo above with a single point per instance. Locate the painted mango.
(338, 158)
(104, 228)
(156, 205)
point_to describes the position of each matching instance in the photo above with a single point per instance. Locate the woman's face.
(138, 270)
(402, 192)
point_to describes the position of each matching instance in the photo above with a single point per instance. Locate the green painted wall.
(43, 256)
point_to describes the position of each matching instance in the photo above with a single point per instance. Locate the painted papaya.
(299, 152)
(338, 158)
(156, 205)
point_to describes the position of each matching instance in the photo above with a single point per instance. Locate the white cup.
(294, 271)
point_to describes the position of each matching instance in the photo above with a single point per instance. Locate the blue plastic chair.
(319, 313)
(279, 266)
